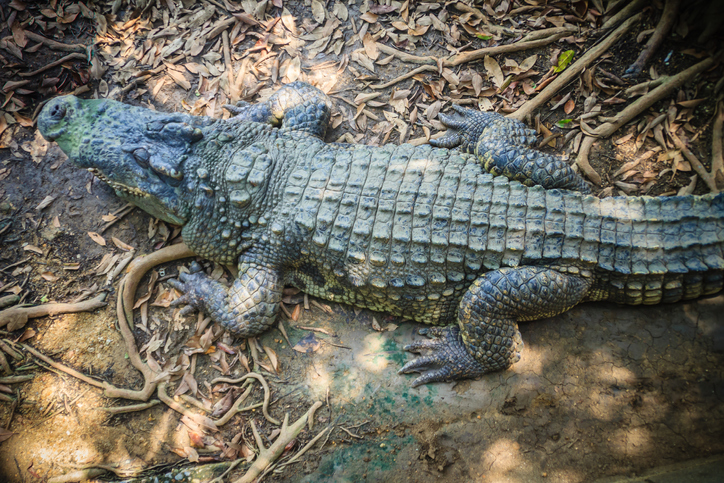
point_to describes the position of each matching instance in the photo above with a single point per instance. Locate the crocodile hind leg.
(487, 337)
(297, 106)
(247, 308)
(503, 147)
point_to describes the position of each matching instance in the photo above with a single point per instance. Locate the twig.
(74, 56)
(130, 408)
(644, 102)
(695, 163)
(54, 44)
(671, 8)
(412, 73)
(350, 433)
(17, 317)
(63, 368)
(573, 70)
(268, 455)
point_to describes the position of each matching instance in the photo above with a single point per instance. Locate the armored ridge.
(426, 233)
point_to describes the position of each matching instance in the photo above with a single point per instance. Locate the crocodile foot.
(443, 357)
(196, 289)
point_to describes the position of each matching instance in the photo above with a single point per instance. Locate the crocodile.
(471, 234)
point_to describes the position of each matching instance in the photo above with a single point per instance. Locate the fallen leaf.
(45, 203)
(494, 70)
(563, 60)
(49, 276)
(123, 246)
(569, 106)
(97, 238)
(33, 248)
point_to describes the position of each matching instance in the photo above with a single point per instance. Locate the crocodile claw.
(444, 357)
(189, 284)
(464, 127)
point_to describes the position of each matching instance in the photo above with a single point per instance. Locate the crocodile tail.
(675, 244)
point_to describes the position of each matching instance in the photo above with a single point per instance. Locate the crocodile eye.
(141, 156)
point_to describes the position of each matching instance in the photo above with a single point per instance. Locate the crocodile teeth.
(117, 186)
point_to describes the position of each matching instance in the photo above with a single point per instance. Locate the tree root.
(16, 317)
(671, 9)
(665, 89)
(573, 70)
(717, 157)
(267, 393)
(625, 12)
(267, 456)
(472, 55)
(695, 163)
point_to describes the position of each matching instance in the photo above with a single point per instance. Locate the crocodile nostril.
(57, 112)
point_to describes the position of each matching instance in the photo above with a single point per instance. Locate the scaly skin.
(425, 233)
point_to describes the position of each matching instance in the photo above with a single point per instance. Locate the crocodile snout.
(56, 115)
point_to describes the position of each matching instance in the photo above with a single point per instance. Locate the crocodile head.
(139, 152)
(206, 174)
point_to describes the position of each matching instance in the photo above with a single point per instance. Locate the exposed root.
(582, 161)
(665, 89)
(16, 317)
(138, 268)
(63, 368)
(573, 70)
(465, 57)
(73, 56)
(717, 157)
(625, 13)
(412, 73)
(671, 9)
(130, 408)
(267, 394)
(54, 44)
(267, 456)
(694, 161)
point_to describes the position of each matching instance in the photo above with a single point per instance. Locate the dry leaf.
(569, 106)
(97, 238)
(33, 248)
(49, 276)
(45, 203)
(494, 70)
(123, 246)
(318, 11)
(273, 358)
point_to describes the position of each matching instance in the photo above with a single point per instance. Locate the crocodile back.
(424, 222)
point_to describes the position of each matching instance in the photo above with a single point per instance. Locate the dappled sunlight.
(372, 358)
(160, 434)
(318, 380)
(503, 455)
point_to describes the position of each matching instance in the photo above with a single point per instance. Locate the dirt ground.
(601, 390)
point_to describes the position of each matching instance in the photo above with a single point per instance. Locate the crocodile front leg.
(503, 147)
(247, 308)
(295, 107)
(487, 338)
